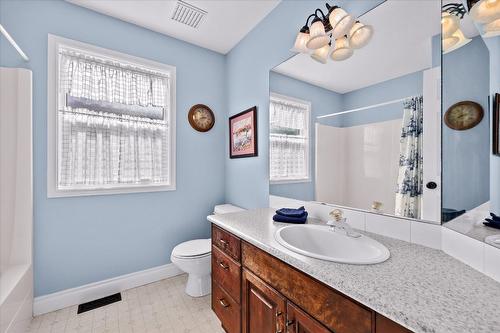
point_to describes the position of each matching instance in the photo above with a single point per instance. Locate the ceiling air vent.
(188, 14)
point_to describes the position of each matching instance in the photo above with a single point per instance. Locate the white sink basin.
(320, 242)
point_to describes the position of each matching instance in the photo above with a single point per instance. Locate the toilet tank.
(227, 208)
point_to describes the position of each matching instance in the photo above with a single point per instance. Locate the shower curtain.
(410, 176)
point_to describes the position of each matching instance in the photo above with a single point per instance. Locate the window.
(289, 139)
(111, 126)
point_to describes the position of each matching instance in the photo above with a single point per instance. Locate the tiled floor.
(158, 307)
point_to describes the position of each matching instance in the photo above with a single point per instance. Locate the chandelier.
(485, 13)
(336, 34)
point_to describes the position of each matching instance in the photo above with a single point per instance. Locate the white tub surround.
(16, 200)
(418, 287)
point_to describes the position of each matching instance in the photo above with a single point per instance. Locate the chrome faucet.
(338, 224)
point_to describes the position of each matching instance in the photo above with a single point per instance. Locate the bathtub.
(16, 201)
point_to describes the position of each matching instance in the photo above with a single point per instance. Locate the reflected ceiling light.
(449, 24)
(340, 21)
(492, 29)
(342, 51)
(337, 27)
(458, 41)
(317, 35)
(448, 43)
(321, 54)
(484, 11)
(301, 40)
(360, 35)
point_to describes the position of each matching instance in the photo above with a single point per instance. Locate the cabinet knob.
(289, 323)
(223, 302)
(223, 265)
(223, 242)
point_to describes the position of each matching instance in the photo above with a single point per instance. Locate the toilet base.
(198, 286)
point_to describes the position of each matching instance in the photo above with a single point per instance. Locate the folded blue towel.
(495, 217)
(492, 224)
(291, 219)
(292, 212)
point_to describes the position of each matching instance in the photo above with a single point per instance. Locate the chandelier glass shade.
(321, 54)
(360, 35)
(317, 36)
(342, 51)
(485, 11)
(492, 29)
(338, 28)
(457, 40)
(449, 24)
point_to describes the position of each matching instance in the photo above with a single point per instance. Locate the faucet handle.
(336, 215)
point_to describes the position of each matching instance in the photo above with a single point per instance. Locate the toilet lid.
(193, 248)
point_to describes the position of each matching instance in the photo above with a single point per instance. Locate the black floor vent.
(99, 302)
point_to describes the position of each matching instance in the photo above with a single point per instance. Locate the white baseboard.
(92, 291)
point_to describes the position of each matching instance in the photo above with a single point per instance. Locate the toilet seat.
(193, 249)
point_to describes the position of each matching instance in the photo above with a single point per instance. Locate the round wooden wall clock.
(463, 115)
(201, 118)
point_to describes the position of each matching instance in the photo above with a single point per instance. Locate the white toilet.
(194, 258)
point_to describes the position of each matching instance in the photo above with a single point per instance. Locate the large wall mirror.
(467, 138)
(364, 132)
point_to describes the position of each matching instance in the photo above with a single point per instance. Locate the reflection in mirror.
(364, 132)
(466, 131)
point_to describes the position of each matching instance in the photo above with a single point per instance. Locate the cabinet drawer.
(226, 309)
(228, 243)
(227, 273)
(336, 311)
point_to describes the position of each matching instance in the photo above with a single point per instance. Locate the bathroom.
(146, 241)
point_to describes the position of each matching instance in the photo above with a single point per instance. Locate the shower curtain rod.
(13, 43)
(363, 108)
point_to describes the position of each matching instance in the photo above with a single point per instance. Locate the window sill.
(290, 181)
(61, 193)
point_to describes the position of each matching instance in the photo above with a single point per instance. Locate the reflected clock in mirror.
(464, 115)
(351, 133)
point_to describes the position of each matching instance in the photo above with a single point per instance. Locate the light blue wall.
(494, 49)
(323, 102)
(248, 66)
(86, 239)
(401, 87)
(466, 76)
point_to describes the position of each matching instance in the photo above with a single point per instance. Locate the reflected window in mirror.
(289, 139)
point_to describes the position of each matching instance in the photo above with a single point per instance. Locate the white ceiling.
(401, 45)
(226, 23)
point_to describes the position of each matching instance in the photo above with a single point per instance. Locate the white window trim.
(54, 43)
(308, 179)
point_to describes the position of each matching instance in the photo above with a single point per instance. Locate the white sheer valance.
(113, 128)
(289, 140)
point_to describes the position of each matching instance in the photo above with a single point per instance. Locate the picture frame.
(496, 124)
(243, 134)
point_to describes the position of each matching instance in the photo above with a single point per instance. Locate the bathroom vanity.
(260, 286)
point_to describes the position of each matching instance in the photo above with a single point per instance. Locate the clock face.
(201, 118)
(463, 115)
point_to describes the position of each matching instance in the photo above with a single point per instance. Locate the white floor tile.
(160, 307)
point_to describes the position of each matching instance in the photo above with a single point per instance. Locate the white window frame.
(307, 105)
(54, 44)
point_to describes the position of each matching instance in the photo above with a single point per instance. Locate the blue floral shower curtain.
(410, 176)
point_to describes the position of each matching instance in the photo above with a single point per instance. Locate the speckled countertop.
(420, 288)
(471, 224)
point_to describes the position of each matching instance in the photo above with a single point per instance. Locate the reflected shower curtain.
(410, 176)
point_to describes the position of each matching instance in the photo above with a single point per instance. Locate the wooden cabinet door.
(300, 322)
(263, 308)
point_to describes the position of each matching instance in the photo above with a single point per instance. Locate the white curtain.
(410, 176)
(100, 149)
(288, 140)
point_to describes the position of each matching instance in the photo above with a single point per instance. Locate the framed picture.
(496, 125)
(243, 134)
